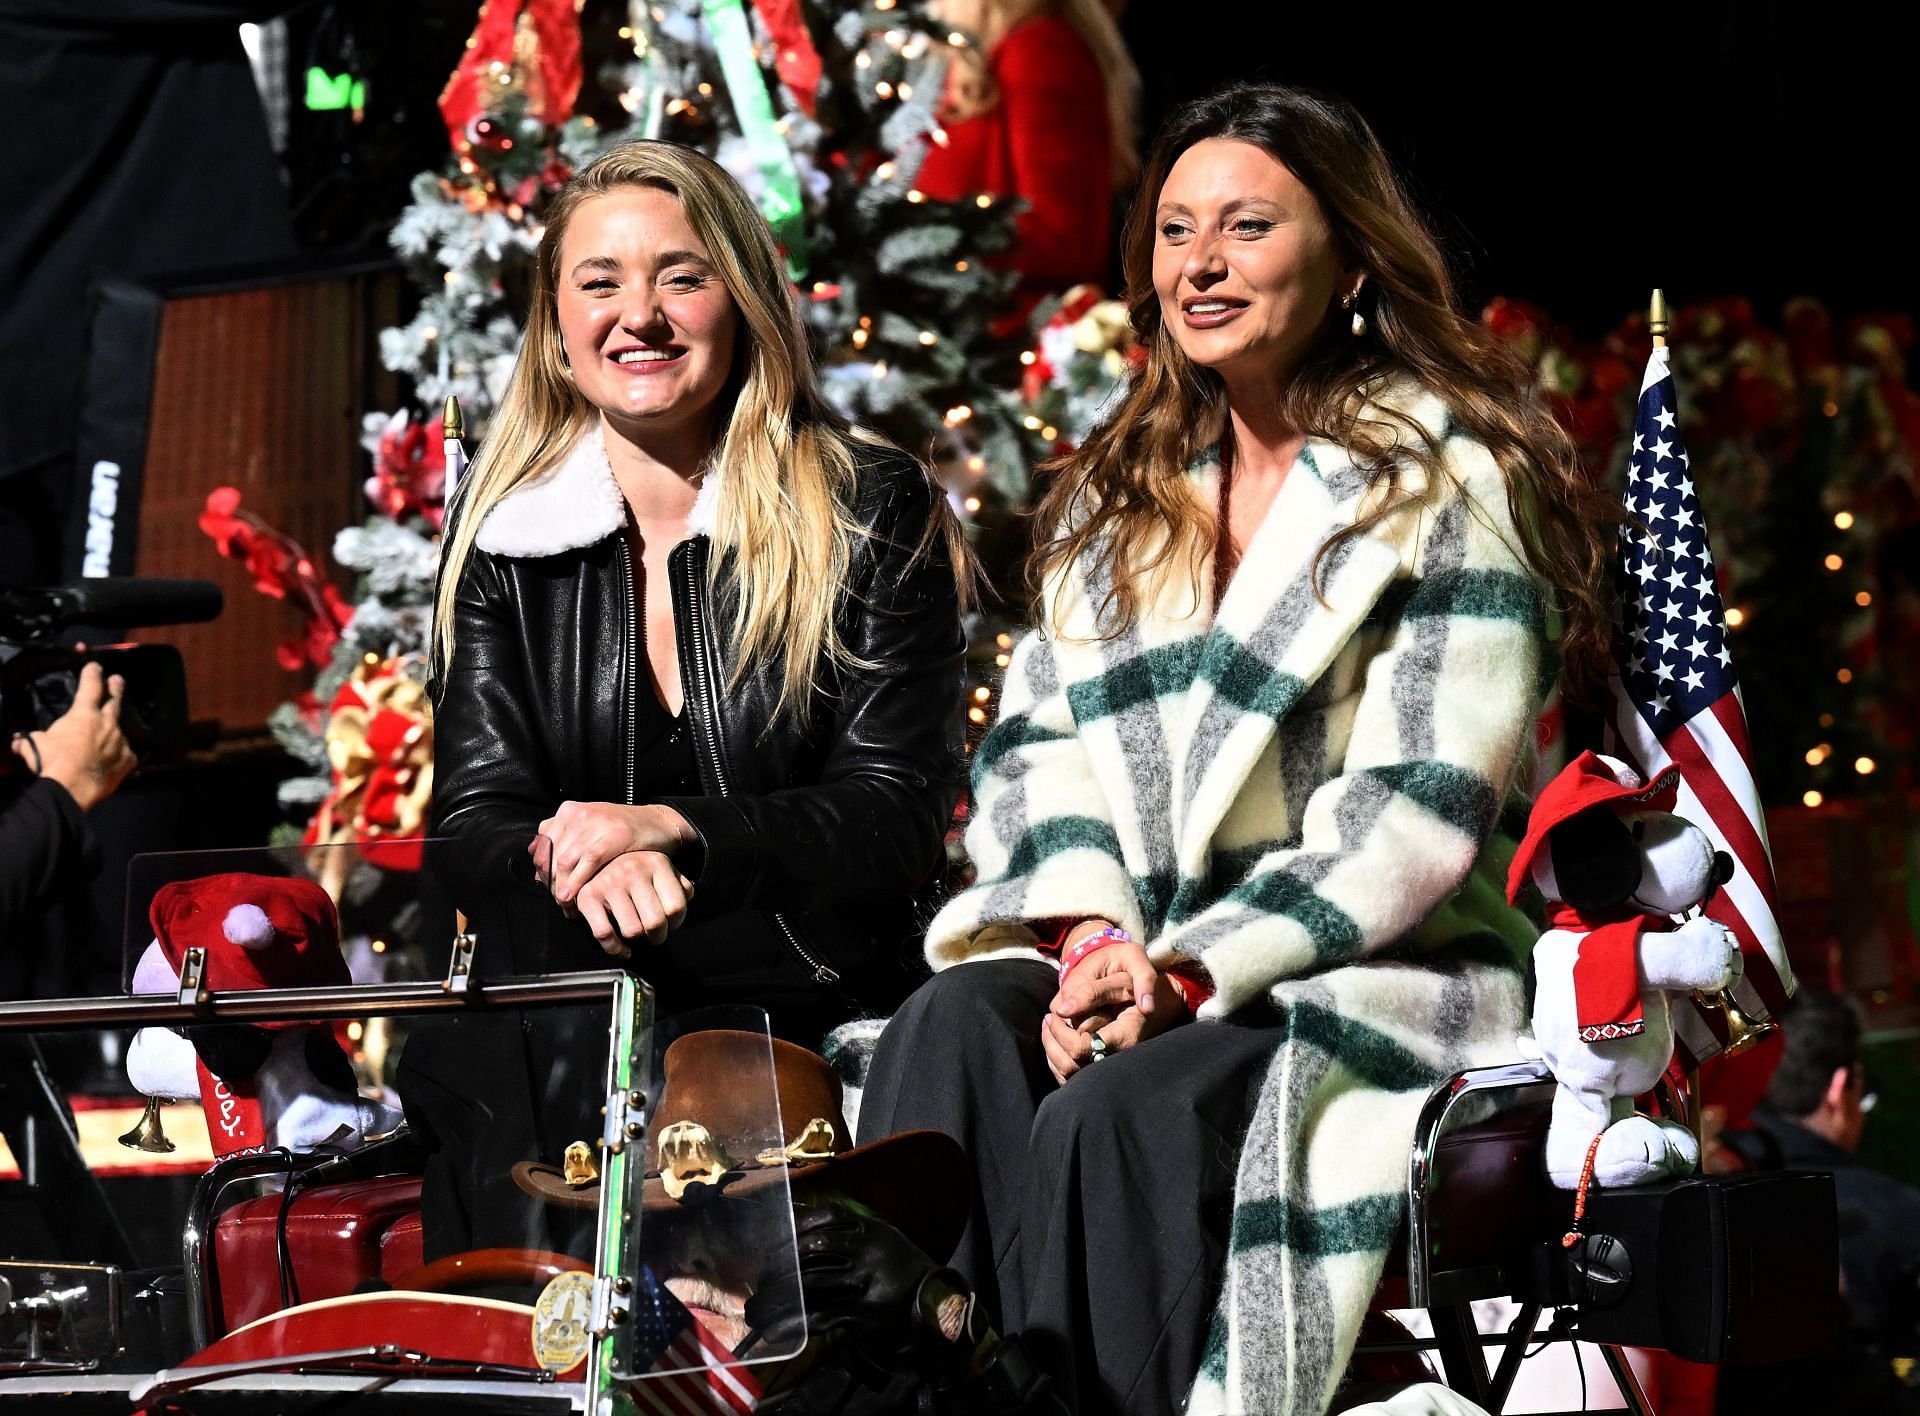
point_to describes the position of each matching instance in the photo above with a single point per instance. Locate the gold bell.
(147, 1133)
(1743, 1033)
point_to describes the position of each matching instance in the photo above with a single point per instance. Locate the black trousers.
(1102, 1208)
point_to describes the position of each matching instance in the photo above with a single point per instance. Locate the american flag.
(1676, 701)
(690, 1372)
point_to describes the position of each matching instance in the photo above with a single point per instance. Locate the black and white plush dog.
(1616, 866)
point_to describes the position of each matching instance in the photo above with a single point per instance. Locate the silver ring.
(1099, 1046)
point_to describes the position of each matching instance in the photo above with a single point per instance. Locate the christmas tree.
(824, 113)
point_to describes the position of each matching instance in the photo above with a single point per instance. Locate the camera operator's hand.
(83, 749)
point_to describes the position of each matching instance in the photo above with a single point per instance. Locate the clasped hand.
(1114, 992)
(613, 866)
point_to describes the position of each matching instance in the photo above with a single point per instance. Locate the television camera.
(38, 672)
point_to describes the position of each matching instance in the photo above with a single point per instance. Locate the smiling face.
(647, 323)
(1244, 262)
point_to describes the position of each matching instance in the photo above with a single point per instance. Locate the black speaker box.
(1720, 1268)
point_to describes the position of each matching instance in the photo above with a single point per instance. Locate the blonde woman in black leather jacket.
(692, 632)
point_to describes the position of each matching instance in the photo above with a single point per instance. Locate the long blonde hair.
(1126, 487)
(786, 455)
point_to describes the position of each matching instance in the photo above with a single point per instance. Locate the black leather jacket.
(831, 823)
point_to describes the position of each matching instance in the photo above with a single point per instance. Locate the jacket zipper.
(704, 682)
(633, 668)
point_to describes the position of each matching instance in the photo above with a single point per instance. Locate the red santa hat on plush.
(1588, 781)
(256, 931)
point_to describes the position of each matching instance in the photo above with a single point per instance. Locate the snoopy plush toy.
(1616, 868)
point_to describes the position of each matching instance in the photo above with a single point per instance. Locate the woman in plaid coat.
(1238, 900)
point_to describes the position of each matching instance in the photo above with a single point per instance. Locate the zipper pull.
(823, 974)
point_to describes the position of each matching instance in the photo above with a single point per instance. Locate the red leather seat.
(338, 1237)
(401, 1247)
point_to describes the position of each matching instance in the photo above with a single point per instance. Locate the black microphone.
(116, 602)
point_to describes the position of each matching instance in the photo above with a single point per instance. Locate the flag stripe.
(1751, 889)
(1718, 778)
(669, 1397)
(729, 1381)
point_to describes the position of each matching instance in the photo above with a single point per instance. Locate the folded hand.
(583, 836)
(1114, 994)
(637, 895)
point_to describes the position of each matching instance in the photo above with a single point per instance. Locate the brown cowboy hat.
(710, 1136)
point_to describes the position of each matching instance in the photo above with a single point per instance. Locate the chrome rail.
(280, 1004)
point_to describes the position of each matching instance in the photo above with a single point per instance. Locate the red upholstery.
(338, 1236)
(401, 1249)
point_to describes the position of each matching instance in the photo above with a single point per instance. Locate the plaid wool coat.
(1298, 793)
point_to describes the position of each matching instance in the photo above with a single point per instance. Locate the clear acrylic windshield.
(315, 1139)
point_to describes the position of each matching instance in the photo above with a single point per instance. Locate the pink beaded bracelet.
(1097, 940)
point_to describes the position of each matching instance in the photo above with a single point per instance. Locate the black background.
(1577, 155)
(1570, 155)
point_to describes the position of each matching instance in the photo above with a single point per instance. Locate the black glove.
(864, 1279)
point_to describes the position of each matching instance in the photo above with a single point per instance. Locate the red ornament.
(794, 57)
(530, 48)
(409, 473)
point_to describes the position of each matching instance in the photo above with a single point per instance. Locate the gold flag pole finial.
(452, 424)
(1656, 320)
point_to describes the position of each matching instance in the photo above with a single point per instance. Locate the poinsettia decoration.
(409, 471)
(282, 569)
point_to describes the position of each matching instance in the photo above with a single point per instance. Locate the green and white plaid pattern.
(1296, 795)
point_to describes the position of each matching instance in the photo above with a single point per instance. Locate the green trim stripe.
(1336, 938)
(1166, 669)
(1008, 735)
(1366, 1053)
(1247, 681)
(1056, 836)
(1463, 799)
(1365, 1225)
(1479, 594)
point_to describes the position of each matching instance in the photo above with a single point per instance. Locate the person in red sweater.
(1042, 110)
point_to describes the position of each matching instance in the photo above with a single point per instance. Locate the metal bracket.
(626, 1113)
(459, 965)
(612, 1303)
(193, 971)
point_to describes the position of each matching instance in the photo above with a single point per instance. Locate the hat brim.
(1658, 794)
(916, 1181)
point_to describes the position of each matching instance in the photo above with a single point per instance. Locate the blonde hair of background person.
(971, 90)
(785, 453)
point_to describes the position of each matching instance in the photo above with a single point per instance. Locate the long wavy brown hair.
(1126, 488)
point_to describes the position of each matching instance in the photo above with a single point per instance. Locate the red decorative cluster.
(279, 568)
(379, 737)
(1743, 382)
(1040, 372)
(410, 473)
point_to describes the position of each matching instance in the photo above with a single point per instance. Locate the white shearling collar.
(575, 504)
